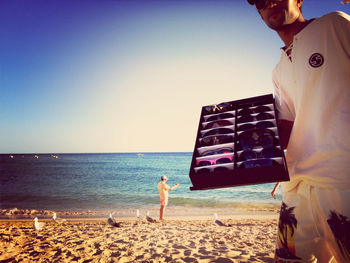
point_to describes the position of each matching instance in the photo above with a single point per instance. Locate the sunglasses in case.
(218, 160)
(218, 131)
(221, 116)
(256, 137)
(216, 124)
(258, 163)
(265, 153)
(225, 106)
(217, 151)
(214, 169)
(217, 139)
(259, 109)
(259, 125)
(261, 116)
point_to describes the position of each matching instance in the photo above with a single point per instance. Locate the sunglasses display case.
(238, 144)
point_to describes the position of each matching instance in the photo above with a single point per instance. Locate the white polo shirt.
(313, 90)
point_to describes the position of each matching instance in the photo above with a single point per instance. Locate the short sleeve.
(283, 109)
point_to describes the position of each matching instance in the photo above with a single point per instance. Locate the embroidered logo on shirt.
(316, 60)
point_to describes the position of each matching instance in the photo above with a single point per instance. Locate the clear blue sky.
(127, 76)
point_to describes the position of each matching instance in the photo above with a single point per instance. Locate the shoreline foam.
(172, 212)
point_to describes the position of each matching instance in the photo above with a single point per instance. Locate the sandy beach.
(245, 238)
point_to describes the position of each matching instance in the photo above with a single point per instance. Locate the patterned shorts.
(314, 226)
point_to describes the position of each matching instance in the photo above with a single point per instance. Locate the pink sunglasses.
(219, 160)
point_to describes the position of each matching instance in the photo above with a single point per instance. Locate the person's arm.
(285, 116)
(168, 188)
(173, 187)
(273, 193)
(284, 128)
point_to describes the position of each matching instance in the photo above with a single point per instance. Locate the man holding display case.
(312, 95)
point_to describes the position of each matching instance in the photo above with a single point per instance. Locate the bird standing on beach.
(112, 221)
(58, 220)
(150, 219)
(38, 225)
(217, 221)
(138, 216)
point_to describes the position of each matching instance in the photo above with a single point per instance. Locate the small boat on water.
(140, 154)
(36, 156)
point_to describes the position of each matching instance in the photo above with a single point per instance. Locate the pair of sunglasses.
(219, 160)
(217, 151)
(259, 125)
(261, 4)
(217, 139)
(256, 137)
(261, 116)
(218, 131)
(258, 109)
(258, 163)
(209, 170)
(216, 124)
(265, 153)
(220, 116)
(225, 106)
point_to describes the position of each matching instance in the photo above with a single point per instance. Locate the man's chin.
(275, 21)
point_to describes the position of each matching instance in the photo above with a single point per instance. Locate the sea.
(117, 182)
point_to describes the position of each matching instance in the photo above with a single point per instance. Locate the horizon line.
(141, 152)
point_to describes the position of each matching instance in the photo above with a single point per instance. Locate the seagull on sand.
(58, 220)
(217, 221)
(139, 217)
(112, 221)
(150, 219)
(38, 225)
(138, 214)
